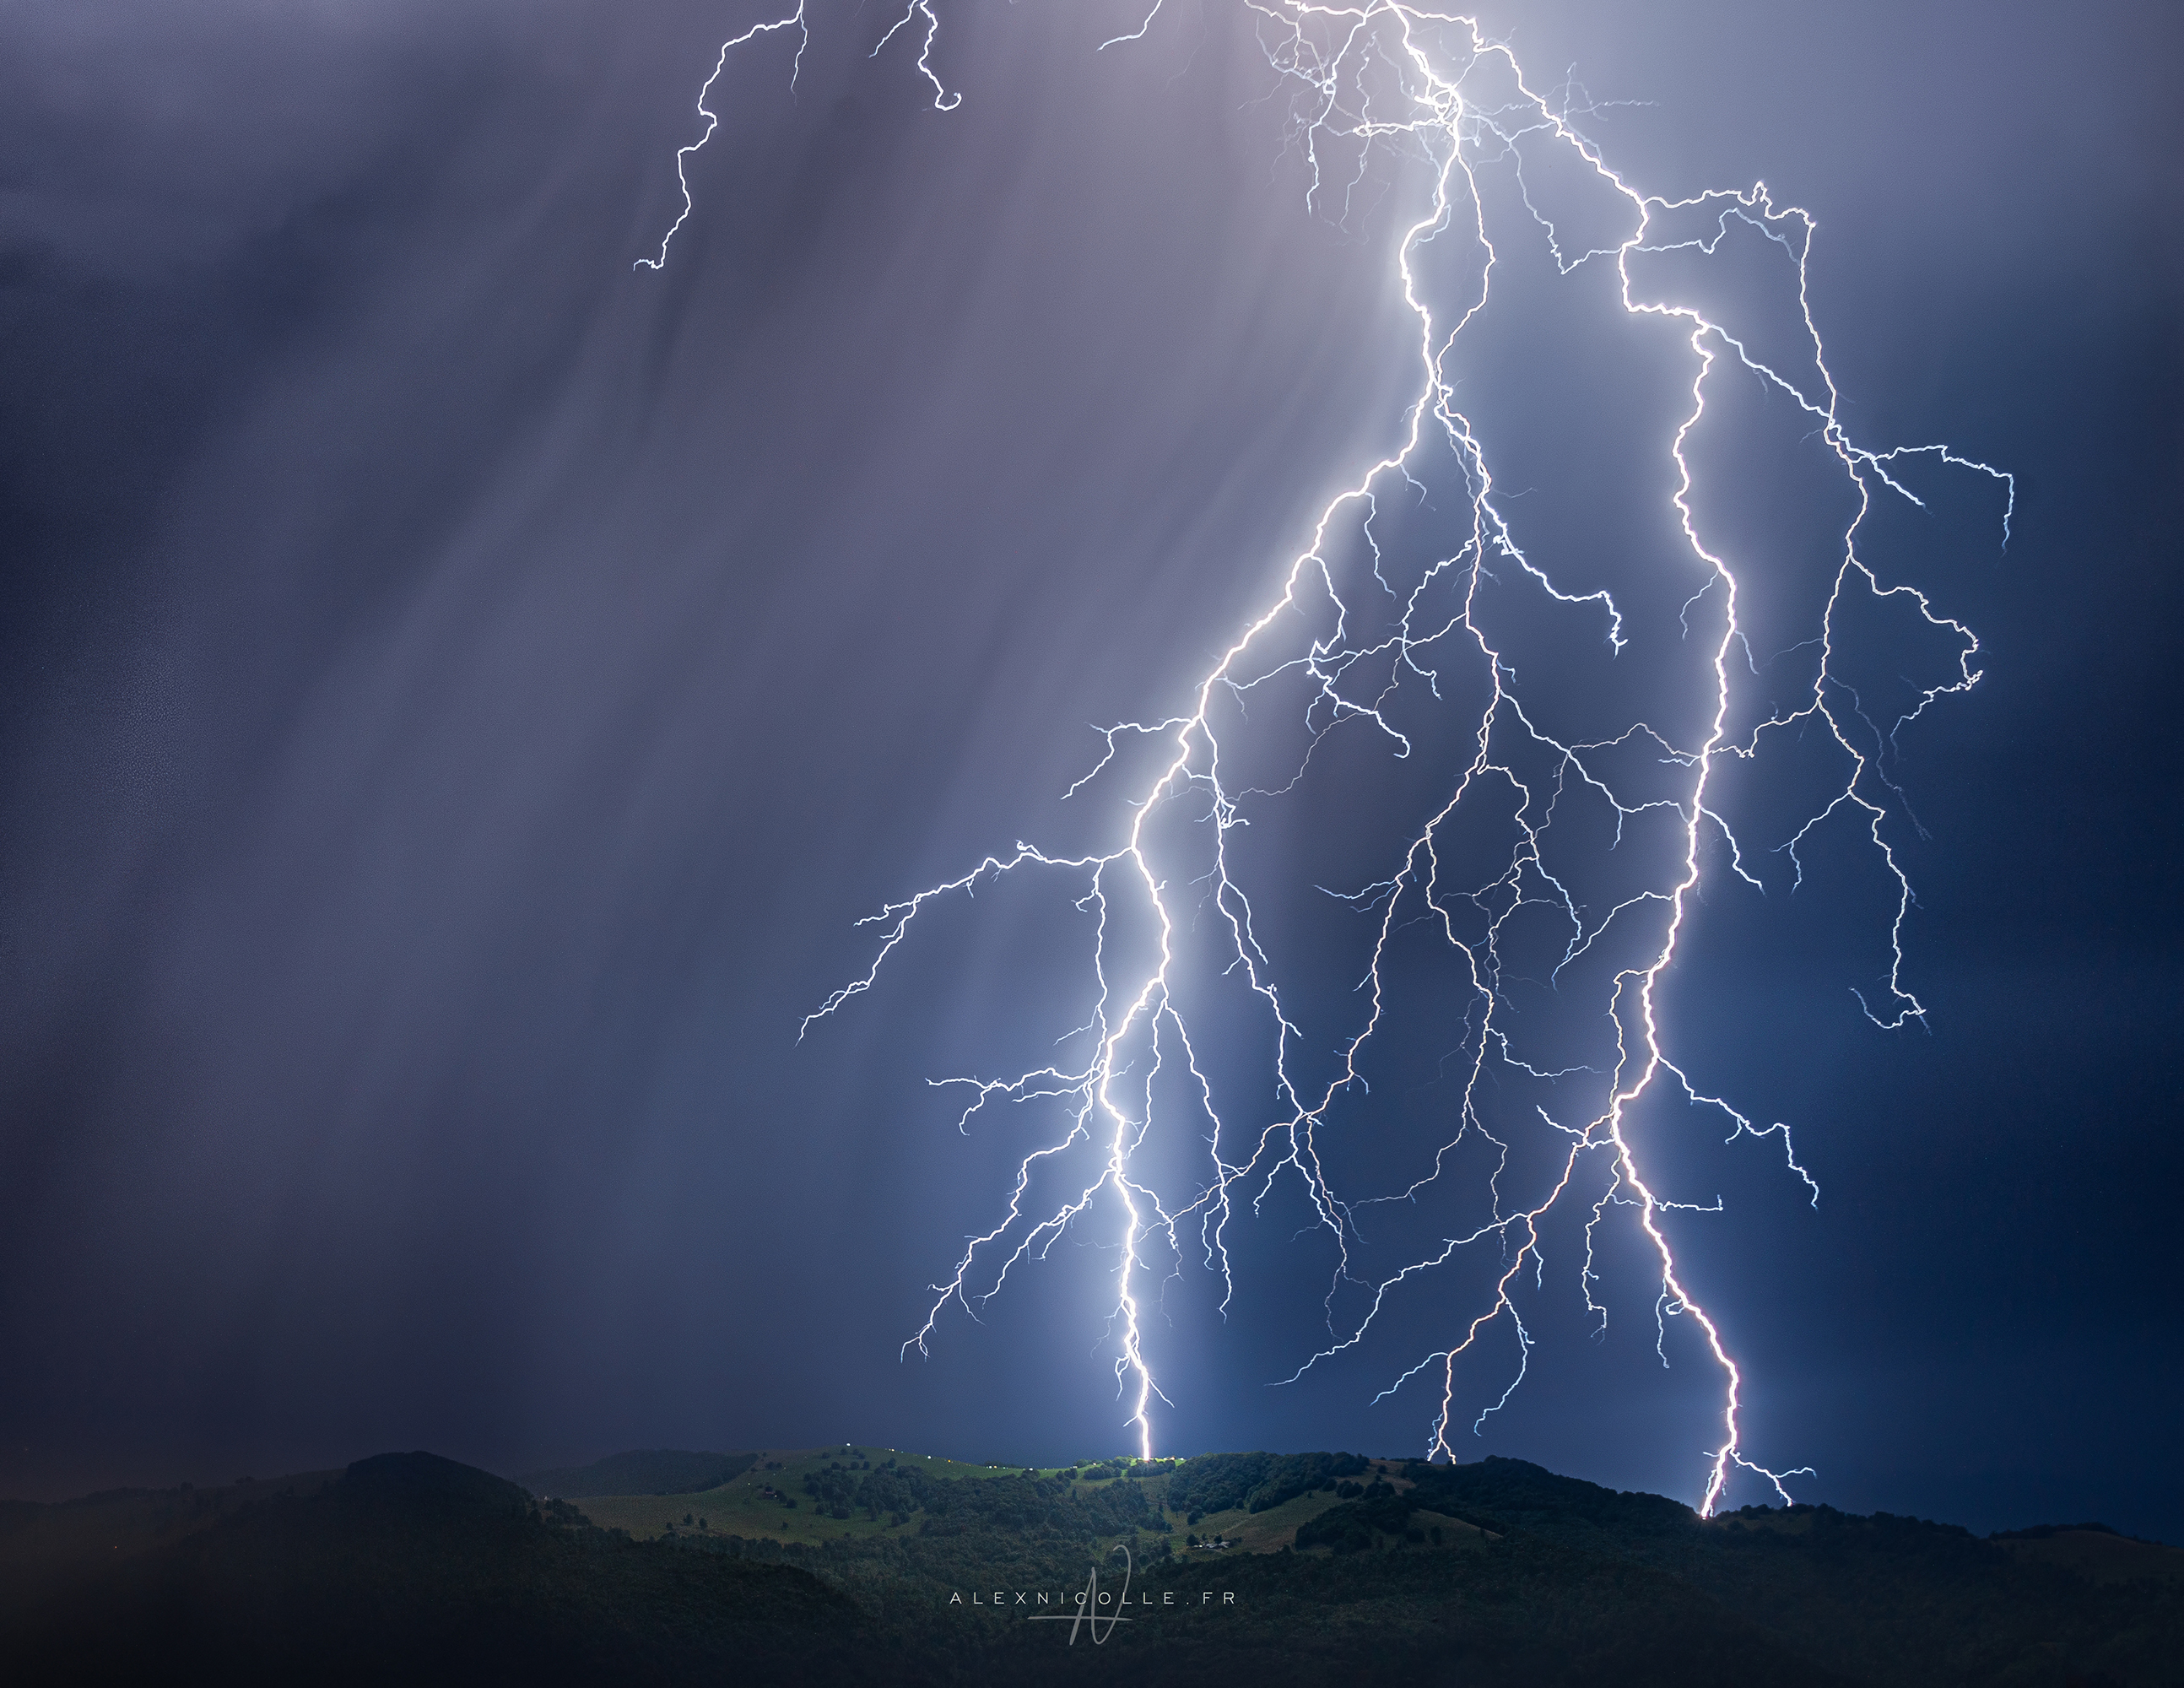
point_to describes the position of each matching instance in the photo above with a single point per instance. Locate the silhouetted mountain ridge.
(417, 1569)
(412, 1567)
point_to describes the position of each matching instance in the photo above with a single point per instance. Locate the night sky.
(458, 693)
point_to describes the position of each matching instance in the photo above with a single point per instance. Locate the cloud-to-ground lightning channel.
(943, 99)
(1379, 80)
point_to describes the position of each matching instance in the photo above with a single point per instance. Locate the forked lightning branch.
(1551, 845)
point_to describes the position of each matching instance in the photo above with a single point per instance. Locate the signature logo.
(1089, 1614)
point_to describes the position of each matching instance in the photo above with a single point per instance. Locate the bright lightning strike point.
(1391, 653)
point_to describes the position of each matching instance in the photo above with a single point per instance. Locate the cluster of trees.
(1370, 1511)
(1104, 1471)
(846, 1488)
(1221, 1482)
(1358, 1523)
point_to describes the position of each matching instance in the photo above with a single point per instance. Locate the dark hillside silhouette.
(412, 1568)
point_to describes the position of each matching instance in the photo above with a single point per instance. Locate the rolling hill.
(858, 1563)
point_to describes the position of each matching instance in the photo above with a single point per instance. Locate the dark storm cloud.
(458, 691)
(427, 840)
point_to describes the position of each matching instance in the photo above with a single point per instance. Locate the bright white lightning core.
(1578, 763)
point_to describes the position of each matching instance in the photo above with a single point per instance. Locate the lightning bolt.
(1387, 648)
(942, 98)
(791, 21)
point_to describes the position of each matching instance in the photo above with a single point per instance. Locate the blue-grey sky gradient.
(456, 692)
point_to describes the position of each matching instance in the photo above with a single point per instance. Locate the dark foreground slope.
(412, 1568)
(1882, 1599)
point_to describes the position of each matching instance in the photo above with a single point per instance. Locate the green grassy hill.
(776, 1493)
(863, 1564)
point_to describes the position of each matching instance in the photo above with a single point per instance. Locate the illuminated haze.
(459, 693)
